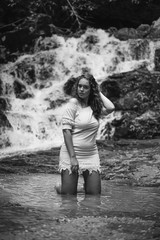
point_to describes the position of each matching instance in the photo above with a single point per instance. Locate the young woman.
(80, 122)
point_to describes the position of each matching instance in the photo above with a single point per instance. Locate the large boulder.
(154, 30)
(143, 30)
(126, 33)
(136, 94)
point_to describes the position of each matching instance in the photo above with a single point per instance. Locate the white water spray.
(36, 119)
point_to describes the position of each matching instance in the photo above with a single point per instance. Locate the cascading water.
(32, 85)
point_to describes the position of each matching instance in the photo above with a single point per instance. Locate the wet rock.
(4, 125)
(45, 43)
(155, 29)
(143, 30)
(4, 105)
(4, 121)
(111, 89)
(58, 102)
(126, 33)
(156, 24)
(21, 91)
(136, 94)
(154, 34)
(25, 70)
(157, 60)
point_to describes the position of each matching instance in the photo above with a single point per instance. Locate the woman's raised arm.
(107, 103)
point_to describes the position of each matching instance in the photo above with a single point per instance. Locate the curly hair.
(94, 101)
(68, 86)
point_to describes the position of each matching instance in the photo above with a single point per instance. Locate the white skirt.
(88, 159)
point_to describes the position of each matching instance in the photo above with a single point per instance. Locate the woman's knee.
(69, 182)
(93, 183)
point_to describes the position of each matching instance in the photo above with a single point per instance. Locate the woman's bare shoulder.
(73, 100)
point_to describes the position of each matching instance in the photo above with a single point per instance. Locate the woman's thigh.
(92, 182)
(69, 182)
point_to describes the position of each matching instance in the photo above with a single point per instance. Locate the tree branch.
(75, 13)
(12, 23)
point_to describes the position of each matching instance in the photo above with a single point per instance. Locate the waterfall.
(32, 85)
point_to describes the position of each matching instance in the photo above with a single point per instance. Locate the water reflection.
(80, 205)
(37, 191)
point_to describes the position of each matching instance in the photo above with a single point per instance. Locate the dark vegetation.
(72, 15)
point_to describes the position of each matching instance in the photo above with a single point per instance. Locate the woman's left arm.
(107, 103)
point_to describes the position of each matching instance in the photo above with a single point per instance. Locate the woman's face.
(83, 89)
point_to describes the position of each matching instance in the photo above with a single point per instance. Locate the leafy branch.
(74, 12)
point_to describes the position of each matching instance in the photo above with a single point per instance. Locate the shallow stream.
(30, 208)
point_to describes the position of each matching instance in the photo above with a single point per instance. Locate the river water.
(30, 208)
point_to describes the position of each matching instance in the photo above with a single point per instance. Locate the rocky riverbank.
(134, 162)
